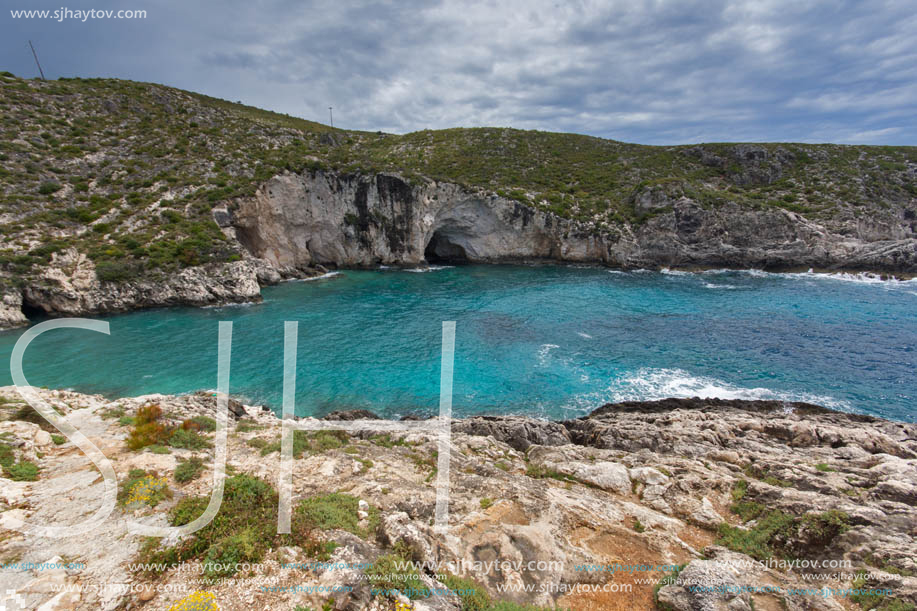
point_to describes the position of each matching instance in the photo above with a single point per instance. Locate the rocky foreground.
(677, 504)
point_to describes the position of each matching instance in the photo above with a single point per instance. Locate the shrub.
(27, 413)
(246, 426)
(48, 187)
(116, 271)
(189, 440)
(473, 595)
(739, 488)
(142, 488)
(486, 502)
(392, 573)
(147, 429)
(22, 471)
(336, 510)
(872, 601)
(200, 423)
(58, 439)
(159, 450)
(781, 534)
(312, 442)
(227, 552)
(747, 510)
(385, 440)
(197, 601)
(320, 550)
(244, 527)
(188, 470)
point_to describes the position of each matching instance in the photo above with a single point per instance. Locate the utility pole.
(331, 117)
(35, 55)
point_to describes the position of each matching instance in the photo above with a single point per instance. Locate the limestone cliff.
(362, 220)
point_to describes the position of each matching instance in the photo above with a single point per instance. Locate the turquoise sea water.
(547, 341)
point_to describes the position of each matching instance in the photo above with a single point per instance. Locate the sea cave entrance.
(443, 248)
(31, 311)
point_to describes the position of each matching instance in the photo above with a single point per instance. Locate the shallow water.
(548, 341)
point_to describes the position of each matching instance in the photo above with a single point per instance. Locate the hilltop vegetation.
(128, 173)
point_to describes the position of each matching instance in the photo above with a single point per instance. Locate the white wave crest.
(652, 384)
(544, 352)
(429, 268)
(322, 277)
(857, 277)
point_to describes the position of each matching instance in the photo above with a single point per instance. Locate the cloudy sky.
(655, 72)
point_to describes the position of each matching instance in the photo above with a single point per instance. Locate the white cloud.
(654, 71)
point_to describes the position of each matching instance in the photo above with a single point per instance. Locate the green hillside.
(129, 172)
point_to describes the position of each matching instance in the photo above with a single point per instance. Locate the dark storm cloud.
(654, 72)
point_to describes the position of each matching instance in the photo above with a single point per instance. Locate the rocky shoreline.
(713, 500)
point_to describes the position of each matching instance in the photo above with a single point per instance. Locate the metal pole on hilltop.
(35, 55)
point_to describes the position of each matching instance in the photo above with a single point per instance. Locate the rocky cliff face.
(296, 223)
(356, 220)
(69, 286)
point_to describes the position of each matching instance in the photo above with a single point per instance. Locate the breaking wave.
(653, 384)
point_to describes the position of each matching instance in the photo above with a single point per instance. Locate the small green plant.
(336, 510)
(739, 489)
(777, 533)
(21, 470)
(188, 470)
(141, 488)
(638, 526)
(256, 442)
(473, 594)
(48, 187)
(486, 502)
(247, 426)
(112, 413)
(188, 440)
(58, 439)
(747, 510)
(27, 413)
(242, 531)
(320, 550)
(824, 468)
(200, 423)
(393, 573)
(874, 601)
(313, 442)
(385, 440)
(159, 449)
(667, 580)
